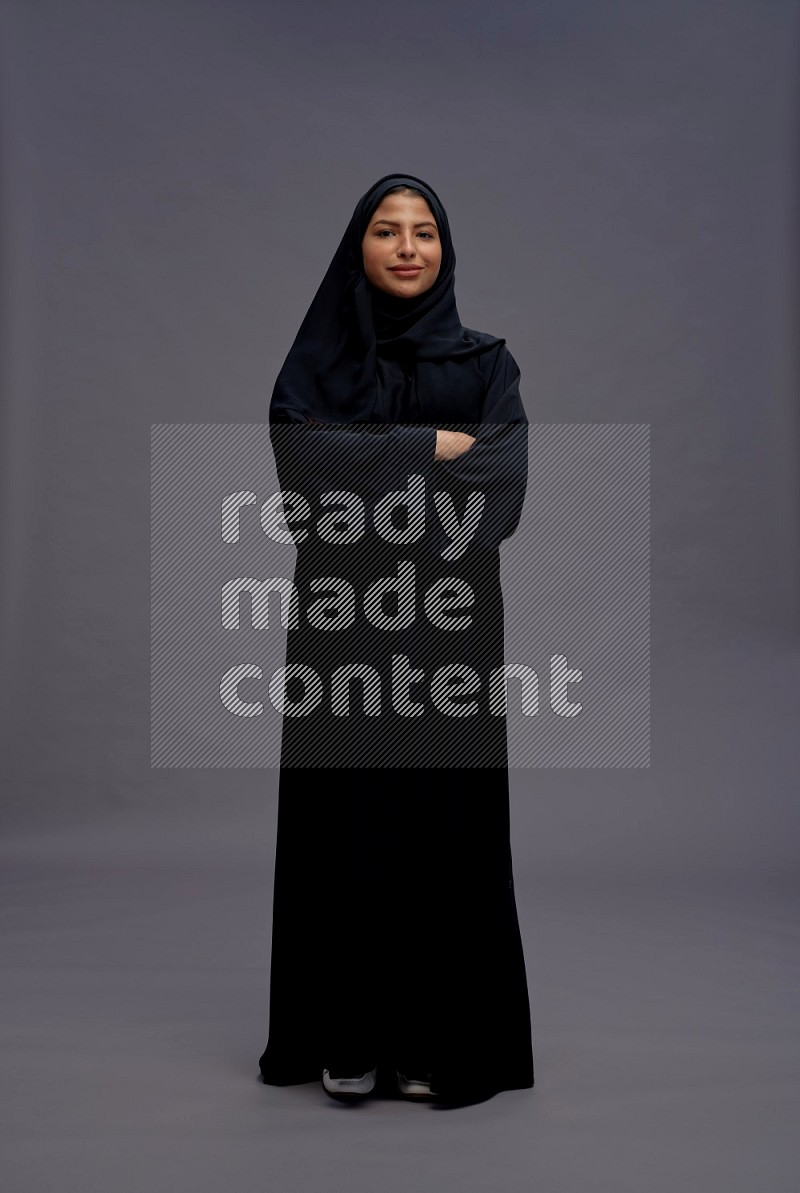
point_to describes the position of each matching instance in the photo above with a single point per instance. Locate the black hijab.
(331, 372)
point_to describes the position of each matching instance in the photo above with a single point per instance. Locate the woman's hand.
(452, 444)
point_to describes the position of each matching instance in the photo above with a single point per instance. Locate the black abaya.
(395, 937)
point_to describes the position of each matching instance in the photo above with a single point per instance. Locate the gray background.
(621, 180)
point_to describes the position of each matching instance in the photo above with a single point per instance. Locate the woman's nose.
(406, 247)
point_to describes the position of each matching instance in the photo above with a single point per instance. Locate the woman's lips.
(406, 270)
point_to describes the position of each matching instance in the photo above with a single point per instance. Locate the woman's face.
(401, 246)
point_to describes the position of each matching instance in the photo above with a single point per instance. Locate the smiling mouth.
(406, 268)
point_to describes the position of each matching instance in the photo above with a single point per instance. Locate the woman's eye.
(428, 234)
(384, 232)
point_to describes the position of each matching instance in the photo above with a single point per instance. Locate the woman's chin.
(409, 289)
(400, 287)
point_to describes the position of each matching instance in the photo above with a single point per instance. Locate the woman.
(400, 440)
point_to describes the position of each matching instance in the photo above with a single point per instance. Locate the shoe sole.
(417, 1093)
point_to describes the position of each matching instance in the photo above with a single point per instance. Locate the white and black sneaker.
(418, 1086)
(348, 1086)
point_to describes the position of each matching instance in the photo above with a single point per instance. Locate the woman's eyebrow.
(395, 224)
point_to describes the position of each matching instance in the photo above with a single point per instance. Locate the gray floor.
(661, 935)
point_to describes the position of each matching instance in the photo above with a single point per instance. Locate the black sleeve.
(496, 465)
(315, 458)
